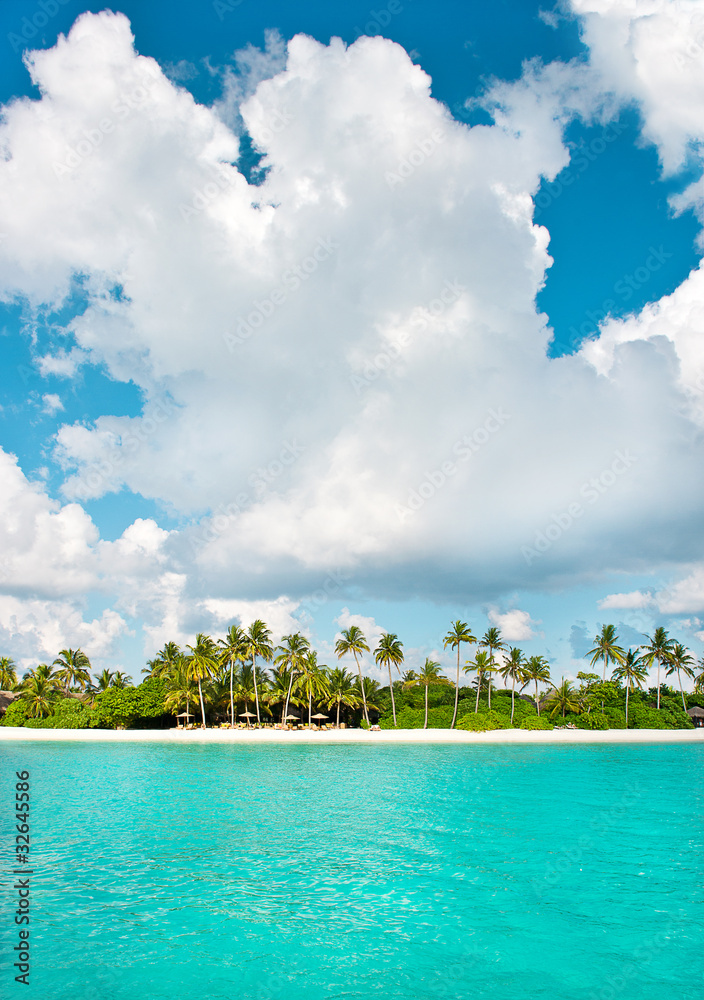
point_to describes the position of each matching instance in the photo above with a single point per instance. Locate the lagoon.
(390, 871)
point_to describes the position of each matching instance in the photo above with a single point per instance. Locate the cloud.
(52, 403)
(632, 600)
(345, 377)
(515, 625)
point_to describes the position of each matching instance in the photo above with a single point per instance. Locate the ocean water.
(401, 871)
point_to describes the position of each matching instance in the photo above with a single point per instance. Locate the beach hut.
(696, 714)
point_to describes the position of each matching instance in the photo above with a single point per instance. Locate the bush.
(535, 722)
(616, 717)
(482, 722)
(592, 720)
(15, 714)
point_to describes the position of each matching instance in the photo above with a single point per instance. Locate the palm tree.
(293, 649)
(181, 686)
(259, 644)
(353, 641)
(459, 633)
(633, 670)
(536, 670)
(104, 680)
(429, 674)
(74, 667)
(680, 661)
(121, 680)
(492, 641)
(369, 691)
(234, 648)
(659, 649)
(39, 691)
(202, 664)
(483, 664)
(390, 650)
(164, 661)
(342, 691)
(606, 649)
(8, 673)
(513, 668)
(564, 699)
(699, 679)
(315, 681)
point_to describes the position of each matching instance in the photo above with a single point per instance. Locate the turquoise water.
(390, 871)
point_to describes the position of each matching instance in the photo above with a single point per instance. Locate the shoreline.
(345, 736)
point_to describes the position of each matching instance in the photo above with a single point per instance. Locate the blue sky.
(480, 398)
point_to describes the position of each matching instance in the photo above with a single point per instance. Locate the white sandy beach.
(334, 736)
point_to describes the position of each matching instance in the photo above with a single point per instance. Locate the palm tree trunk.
(288, 698)
(391, 689)
(537, 703)
(513, 688)
(628, 691)
(310, 706)
(202, 705)
(479, 687)
(489, 691)
(457, 688)
(361, 684)
(658, 683)
(679, 678)
(256, 693)
(425, 724)
(232, 701)
(338, 713)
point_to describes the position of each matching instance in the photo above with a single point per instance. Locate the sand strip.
(257, 736)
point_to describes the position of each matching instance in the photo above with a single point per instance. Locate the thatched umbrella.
(319, 715)
(184, 715)
(247, 716)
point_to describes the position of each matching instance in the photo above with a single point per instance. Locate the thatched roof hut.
(696, 714)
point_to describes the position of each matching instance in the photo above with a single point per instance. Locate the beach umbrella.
(247, 715)
(319, 715)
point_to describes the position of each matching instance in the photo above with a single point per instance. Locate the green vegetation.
(219, 681)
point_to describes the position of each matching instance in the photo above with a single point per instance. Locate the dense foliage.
(243, 676)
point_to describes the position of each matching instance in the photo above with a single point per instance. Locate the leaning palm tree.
(699, 679)
(258, 644)
(660, 646)
(353, 641)
(679, 660)
(633, 670)
(234, 649)
(493, 642)
(164, 661)
(202, 664)
(74, 667)
(181, 687)
(8, 673)
(429, 674)
(459, 633)
(536, 670)
(564, 699)
(513, 668)
(390, 650)
(292, 651)
(482, 664)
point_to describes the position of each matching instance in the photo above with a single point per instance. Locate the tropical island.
(243, 680)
